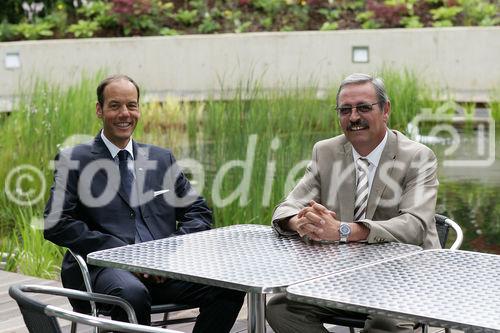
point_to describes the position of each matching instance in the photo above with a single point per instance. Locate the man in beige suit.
(370, 184)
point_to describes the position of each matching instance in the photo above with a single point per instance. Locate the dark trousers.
(219, 307)
(286, 316)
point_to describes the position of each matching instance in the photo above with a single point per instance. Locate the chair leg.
(165, 318)
(447, 330)
(425, 328)
(351, 329)
(73, 327)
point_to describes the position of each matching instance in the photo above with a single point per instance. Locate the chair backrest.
(443, 226)
(33, 312)
(42, 318)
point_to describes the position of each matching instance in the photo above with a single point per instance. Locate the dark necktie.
(142, 233)
(126, 175)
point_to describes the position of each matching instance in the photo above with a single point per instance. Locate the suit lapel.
(347, 187)
(388, 157)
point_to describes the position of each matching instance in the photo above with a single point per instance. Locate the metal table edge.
(189, 278)
(381, 311)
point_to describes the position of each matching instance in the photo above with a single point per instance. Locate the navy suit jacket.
(85, 226)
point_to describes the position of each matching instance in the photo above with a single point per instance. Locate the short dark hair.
(108, 80)
(360, 78)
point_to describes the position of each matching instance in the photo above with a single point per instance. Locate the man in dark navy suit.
(116, 191)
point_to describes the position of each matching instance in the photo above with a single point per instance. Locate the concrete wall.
(464, 60)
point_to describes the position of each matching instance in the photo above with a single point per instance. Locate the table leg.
(256, 312)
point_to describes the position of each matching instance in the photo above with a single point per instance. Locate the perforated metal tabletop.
(454, 289)
(250, 258)
(243, 257)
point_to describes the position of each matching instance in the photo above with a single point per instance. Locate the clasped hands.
(316, 222)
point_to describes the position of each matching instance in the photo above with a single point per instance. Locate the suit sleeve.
(306, 190)
(64, 224)
(416, 206)
(191, 210)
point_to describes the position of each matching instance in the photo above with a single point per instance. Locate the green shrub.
(6, 31)
(164, 17)
(187, 17)
(84, 29)
(34, 30)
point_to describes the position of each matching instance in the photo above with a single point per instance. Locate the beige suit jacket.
(402, 200)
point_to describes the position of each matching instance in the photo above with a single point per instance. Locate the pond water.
(470, 187)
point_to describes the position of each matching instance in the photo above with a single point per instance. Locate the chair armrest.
(86, 278)
(102, 323)
(85, 296)
(85, 270)
(459, 234)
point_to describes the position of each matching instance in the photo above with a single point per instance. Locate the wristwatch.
(344, 232)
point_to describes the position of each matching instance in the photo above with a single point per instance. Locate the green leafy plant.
(330, 14)
(94, 9)
(208, 25)
(84, 29)
(480, 12)
(241, 26)
(186, 17)
(444, 16)
(142, 25)
(6, 31)
(367, 20)
(165, 31)
(329, 26)
(101, 12)
(268, 6)
(266, 22)
(352, 4)
(34, 30)
(411, 22)
(287, 28)
(59, 20)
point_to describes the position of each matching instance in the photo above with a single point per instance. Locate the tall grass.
(34, 132)
(28, 252)
(285, 125)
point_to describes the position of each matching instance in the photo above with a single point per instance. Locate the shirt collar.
(375, 155)
(113, 149)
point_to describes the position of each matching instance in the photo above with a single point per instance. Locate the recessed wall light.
(360, 54)
(12, 60)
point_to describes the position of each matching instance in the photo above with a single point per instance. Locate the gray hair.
(360, 78)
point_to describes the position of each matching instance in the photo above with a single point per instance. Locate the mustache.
(361, 122)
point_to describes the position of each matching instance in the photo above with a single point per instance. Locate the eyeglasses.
(345, 110)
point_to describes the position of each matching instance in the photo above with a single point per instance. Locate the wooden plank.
(10, 317)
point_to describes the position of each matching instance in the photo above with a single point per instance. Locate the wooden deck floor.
(11, 320)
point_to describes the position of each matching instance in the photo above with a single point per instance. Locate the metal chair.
(95, 311)
(42, 318)
(443, 226)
